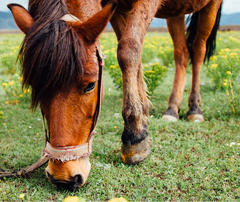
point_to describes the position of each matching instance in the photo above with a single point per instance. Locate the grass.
(188, 161)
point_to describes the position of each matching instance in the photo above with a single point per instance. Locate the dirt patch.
(150, 29)
(229, 28)
(14, 31)
(164, 29)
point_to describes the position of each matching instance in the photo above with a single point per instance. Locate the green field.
(188, 162)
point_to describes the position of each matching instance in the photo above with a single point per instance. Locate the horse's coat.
(60, 64)
(130, 23)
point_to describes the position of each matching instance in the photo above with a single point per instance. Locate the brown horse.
(61, 65)
(130, 22)
(61, 61)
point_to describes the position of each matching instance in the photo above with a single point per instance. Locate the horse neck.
(83, 9)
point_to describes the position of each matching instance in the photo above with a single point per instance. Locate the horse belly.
(174, 8)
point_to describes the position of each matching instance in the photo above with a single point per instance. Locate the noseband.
(84, 150)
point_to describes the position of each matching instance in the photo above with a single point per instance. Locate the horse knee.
(129, 53)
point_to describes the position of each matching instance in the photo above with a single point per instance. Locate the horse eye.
(89, 87)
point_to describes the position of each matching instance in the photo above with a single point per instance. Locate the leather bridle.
(75, 152)
(66, 153)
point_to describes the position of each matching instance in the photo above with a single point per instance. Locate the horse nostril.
(77, 180)
(72, 184)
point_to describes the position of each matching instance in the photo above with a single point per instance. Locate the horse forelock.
(52, 54)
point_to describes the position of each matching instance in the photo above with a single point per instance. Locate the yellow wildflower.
(10, 83)
(112, 66)
(74, 199)
(225, 80)
(233, 55)
(26, 91)
(121, 199)
(20, 95)
(225, 84)
(150, 71)
(4, 84)
(21, 78)
(106, 52)
(115, 127)
(228, 72)
(21, 196)
(214, 66)
(213, 58)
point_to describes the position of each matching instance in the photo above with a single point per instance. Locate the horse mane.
(52, 54)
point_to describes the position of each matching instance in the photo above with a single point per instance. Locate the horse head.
(61, 61)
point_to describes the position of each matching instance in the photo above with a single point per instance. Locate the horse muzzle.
(70, 175)
(69, 167)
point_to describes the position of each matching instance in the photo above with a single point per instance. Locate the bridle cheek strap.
(84, 150)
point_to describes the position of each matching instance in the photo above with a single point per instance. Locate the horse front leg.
(135, 140)
(176, 28)
(206, 21)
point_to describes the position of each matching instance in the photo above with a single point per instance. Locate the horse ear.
(93, 27)
(21, 16)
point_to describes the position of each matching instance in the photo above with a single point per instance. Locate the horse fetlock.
(174, 103)
(133, 154)
(194, 109)
(132, 135)
(194, 99)
(133, 116)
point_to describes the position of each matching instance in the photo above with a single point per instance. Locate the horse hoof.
(169, 118)
(195, 117)
(133, 154)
